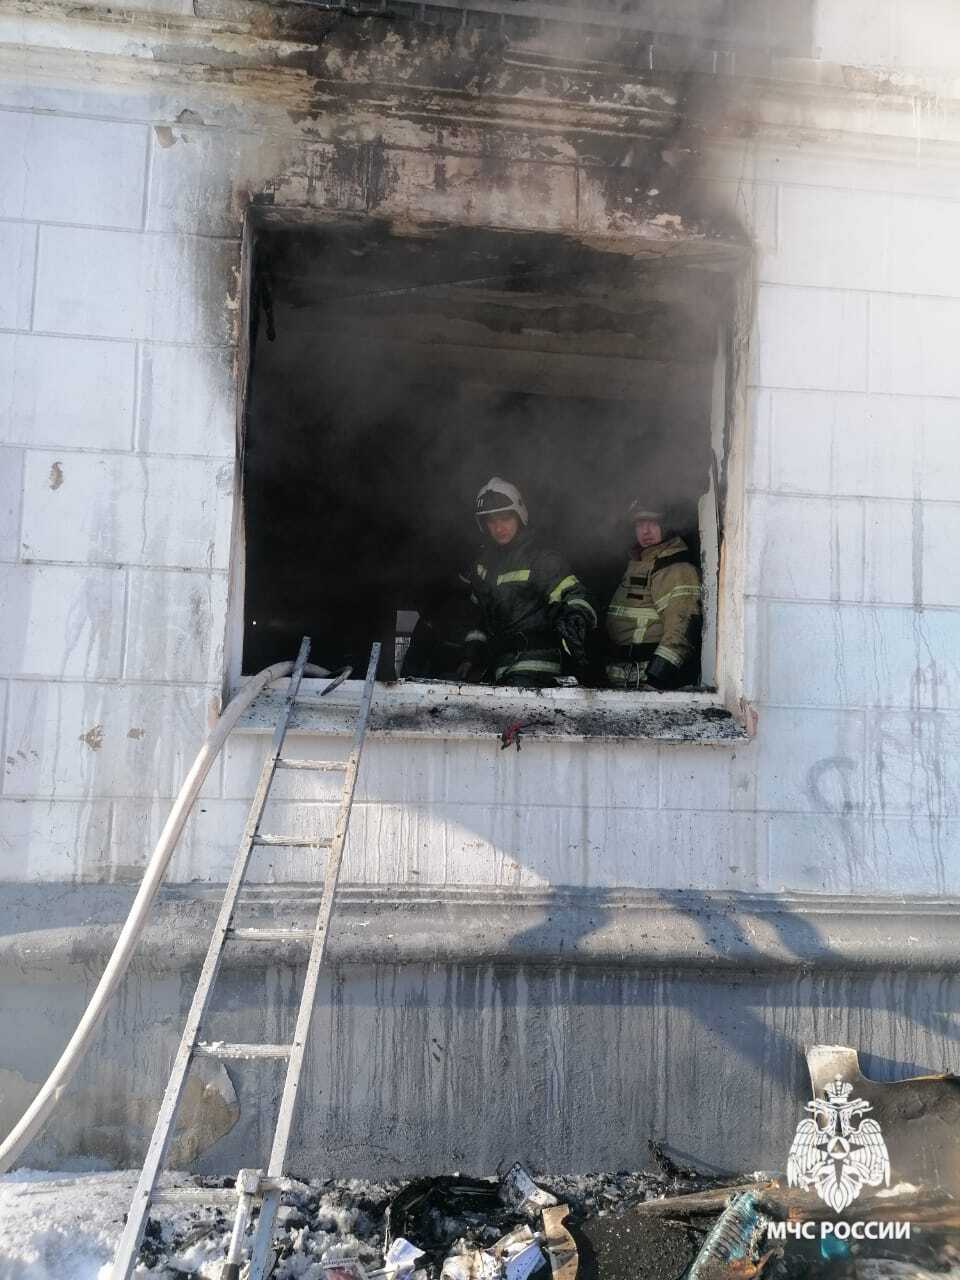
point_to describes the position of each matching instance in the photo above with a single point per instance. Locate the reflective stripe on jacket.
(657, 604)
(520, 592)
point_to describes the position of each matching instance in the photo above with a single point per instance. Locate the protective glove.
(661, 674)
(572, 629)
(475, 661)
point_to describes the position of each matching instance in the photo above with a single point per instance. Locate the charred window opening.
(392, 375)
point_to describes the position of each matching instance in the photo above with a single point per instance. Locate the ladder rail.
(291, 1087)
(129, 1245)
(54, 1087)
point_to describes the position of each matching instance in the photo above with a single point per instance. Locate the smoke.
(407, 371)
(378, 413)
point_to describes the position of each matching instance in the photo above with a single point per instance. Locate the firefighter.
(531, 609)
(653, 620)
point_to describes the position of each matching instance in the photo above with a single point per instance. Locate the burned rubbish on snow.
(646, 1225)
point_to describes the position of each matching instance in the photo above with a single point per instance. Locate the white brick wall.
(116, 360)
(117, 284)
(811, 338)
(70, 740)
(18, 252)
(119, 228)
(889, 33)
(147, 510)
(62, 621)
(65, 839)
(200, 178)
(853, 519)
(912, 341)
(63, 169)
(11, 501)
(175, 626)
(187, 401)
(87, 405)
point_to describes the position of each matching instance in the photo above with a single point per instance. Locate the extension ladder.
(255, 1184)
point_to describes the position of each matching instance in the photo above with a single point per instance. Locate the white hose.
(50, 1094)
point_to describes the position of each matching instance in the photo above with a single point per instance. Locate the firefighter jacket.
(521, 591)
(656, 608)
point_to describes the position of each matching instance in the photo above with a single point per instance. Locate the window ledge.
(413, 709)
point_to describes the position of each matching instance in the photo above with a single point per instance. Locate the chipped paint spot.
(164, 134)
(56, 476)
(117, 1124)
(135, 732)
(93, 737)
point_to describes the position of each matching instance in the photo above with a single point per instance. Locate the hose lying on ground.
(53, 1089)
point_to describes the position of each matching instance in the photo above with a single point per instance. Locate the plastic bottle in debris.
(735, 1237)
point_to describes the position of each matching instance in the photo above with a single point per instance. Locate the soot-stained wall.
(135, 146)
(403, 372)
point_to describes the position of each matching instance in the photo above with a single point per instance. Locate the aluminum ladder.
(254, 1184)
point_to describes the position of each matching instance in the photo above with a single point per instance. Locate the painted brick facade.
(123, 188)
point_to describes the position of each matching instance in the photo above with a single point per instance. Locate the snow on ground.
(59, 1224)
(65, 1226)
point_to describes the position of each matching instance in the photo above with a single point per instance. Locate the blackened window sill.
(419, 710)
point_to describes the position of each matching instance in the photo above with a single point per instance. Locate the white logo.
(836, 1150)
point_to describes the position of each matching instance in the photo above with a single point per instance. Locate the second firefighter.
(653, 620)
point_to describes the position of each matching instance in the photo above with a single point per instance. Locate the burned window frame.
(720, 512)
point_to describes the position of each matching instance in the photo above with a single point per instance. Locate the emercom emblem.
(836, 1150)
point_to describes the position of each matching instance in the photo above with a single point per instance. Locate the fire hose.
(56, 1083)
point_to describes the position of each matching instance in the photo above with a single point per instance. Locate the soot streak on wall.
(850, 786)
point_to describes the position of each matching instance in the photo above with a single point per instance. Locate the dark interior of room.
(404, 371)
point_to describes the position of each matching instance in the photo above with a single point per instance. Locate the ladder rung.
(295, 842)
(220, 1049)
(215, 1195)
(316, 766)
(198, 1196)
(271, 935)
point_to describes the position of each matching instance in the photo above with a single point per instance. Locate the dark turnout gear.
(476, 659)
(653, 620)
(660, 673)
(527, 601)
(436, 646)
(573, 627)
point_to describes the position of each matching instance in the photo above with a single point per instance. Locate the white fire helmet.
(640, 509)
(500, 495)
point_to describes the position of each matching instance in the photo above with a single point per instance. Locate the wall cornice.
(54, 929)
(302, 77)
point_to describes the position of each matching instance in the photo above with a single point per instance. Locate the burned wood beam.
(538, 372)
(513, 335)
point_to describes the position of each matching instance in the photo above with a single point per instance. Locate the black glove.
(661, 674)
(475, 661)
(572, 628)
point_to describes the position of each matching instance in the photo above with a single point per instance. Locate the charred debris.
(667, 1222)
(662, 1223)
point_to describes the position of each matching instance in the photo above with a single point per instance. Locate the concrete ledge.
(422, 710)
(52, 929)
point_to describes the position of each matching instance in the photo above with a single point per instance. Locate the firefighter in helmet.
(531, 609)
(653, 621)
